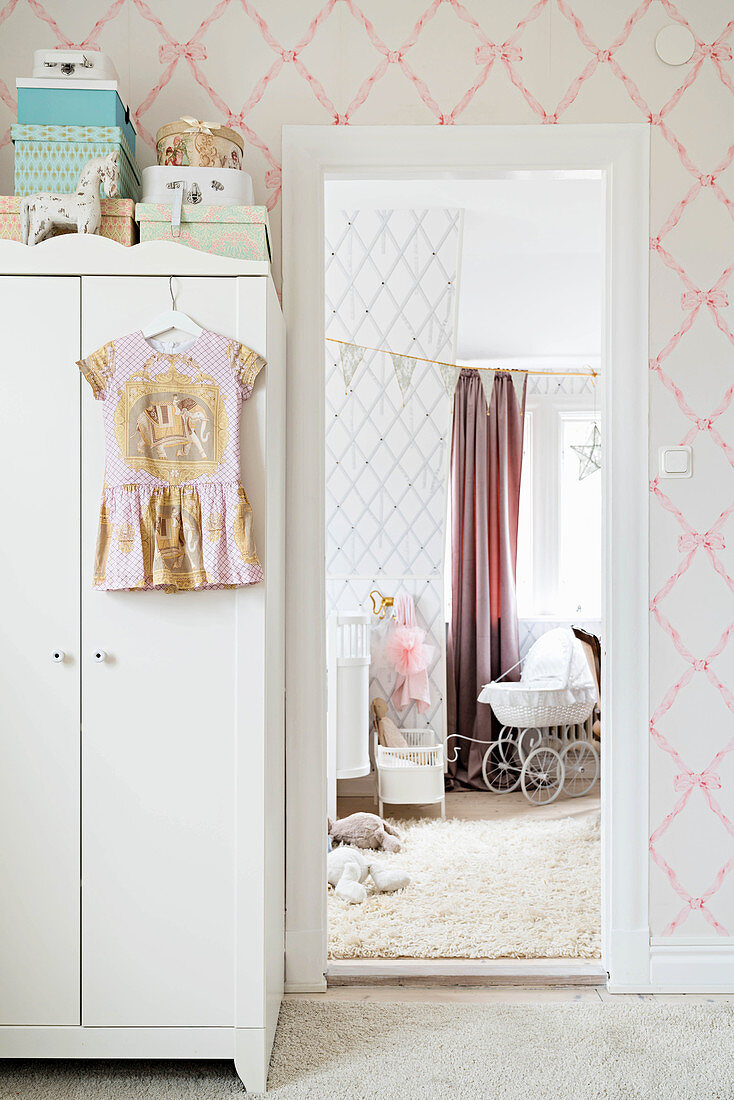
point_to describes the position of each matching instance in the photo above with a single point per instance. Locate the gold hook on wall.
(380, 603)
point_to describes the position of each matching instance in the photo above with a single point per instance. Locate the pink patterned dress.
(174, 514)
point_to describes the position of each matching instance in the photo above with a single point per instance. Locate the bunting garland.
(450, 376)
(351, 357)
(518, 382)
(486, 377)
(404, 365)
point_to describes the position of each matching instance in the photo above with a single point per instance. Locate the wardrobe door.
(158, 765)
(39, 649)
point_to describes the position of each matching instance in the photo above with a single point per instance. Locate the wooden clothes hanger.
(172, 319)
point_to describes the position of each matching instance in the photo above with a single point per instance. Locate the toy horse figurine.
(42, 214)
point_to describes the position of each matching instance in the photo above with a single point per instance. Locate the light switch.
(675, 461)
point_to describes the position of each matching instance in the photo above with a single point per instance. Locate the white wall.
(301, 61)
(531, 258)
(531, 269)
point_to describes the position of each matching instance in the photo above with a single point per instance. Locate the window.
(559, 537)
(525, 578)
(579, 553)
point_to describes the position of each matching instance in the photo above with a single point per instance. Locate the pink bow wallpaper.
(258, 64)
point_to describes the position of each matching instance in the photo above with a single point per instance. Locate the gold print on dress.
(245, 363)
(126, 537)
(171, 424)
(242, 530)
(178, 422)
(99, 367)
(214, 527)
(104, 539)
(172, 550)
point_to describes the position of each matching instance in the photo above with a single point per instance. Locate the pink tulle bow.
(407, 650)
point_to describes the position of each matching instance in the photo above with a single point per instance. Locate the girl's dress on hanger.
(174, 514)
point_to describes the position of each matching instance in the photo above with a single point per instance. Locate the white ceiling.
(531, 265)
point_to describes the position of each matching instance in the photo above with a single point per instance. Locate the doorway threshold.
(462, 972)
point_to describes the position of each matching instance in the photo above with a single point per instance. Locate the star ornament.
(589, 454)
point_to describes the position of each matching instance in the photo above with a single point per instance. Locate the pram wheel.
(581, 766)
(500, 765)
(542, 776)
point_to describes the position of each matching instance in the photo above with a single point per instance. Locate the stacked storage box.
(241, 232)
(199, 195)
(50, 158)
(118, 220)
(70, 111)
(48, 102)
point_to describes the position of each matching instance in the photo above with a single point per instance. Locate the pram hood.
(557, 659)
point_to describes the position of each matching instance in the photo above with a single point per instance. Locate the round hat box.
(191, 143)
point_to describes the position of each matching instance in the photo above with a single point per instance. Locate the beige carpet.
(523, 888)
(381, 1051)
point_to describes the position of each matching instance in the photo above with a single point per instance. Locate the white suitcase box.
(76, 64)
(208, 186)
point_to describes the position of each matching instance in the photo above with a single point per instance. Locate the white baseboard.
(304, 966)
(686, 968)
(305, 987)
(628, 958)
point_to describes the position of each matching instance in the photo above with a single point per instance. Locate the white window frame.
(544, 417)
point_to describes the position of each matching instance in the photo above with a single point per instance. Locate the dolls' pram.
(546, 743)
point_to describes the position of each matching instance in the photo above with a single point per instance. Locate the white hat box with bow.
(192, 143)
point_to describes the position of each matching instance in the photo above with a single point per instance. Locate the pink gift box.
(118, 220)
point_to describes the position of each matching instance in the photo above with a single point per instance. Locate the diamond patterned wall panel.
(390, 283)
(531, 629)
(257, 64)
(566, 384)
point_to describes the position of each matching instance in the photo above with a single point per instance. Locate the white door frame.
(621, 154)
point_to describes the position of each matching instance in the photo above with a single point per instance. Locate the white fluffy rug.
(326, 1050)
(523, 888)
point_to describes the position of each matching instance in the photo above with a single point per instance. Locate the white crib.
(348, 694)
(411, 775)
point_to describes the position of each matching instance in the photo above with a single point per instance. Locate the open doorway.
(314, 156)
(463, 547)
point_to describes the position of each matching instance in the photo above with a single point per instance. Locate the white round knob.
(99, 655)
(58, 656)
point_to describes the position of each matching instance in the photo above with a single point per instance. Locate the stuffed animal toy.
(347, 869)
(365, 831)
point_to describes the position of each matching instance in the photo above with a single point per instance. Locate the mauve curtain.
(486, 462)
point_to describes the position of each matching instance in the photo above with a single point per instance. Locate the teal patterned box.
(50, 158)
(241, 232)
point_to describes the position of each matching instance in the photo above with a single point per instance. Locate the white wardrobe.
(141, 733)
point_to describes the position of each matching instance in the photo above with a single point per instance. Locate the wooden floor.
(464, 972)
(482, 806)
